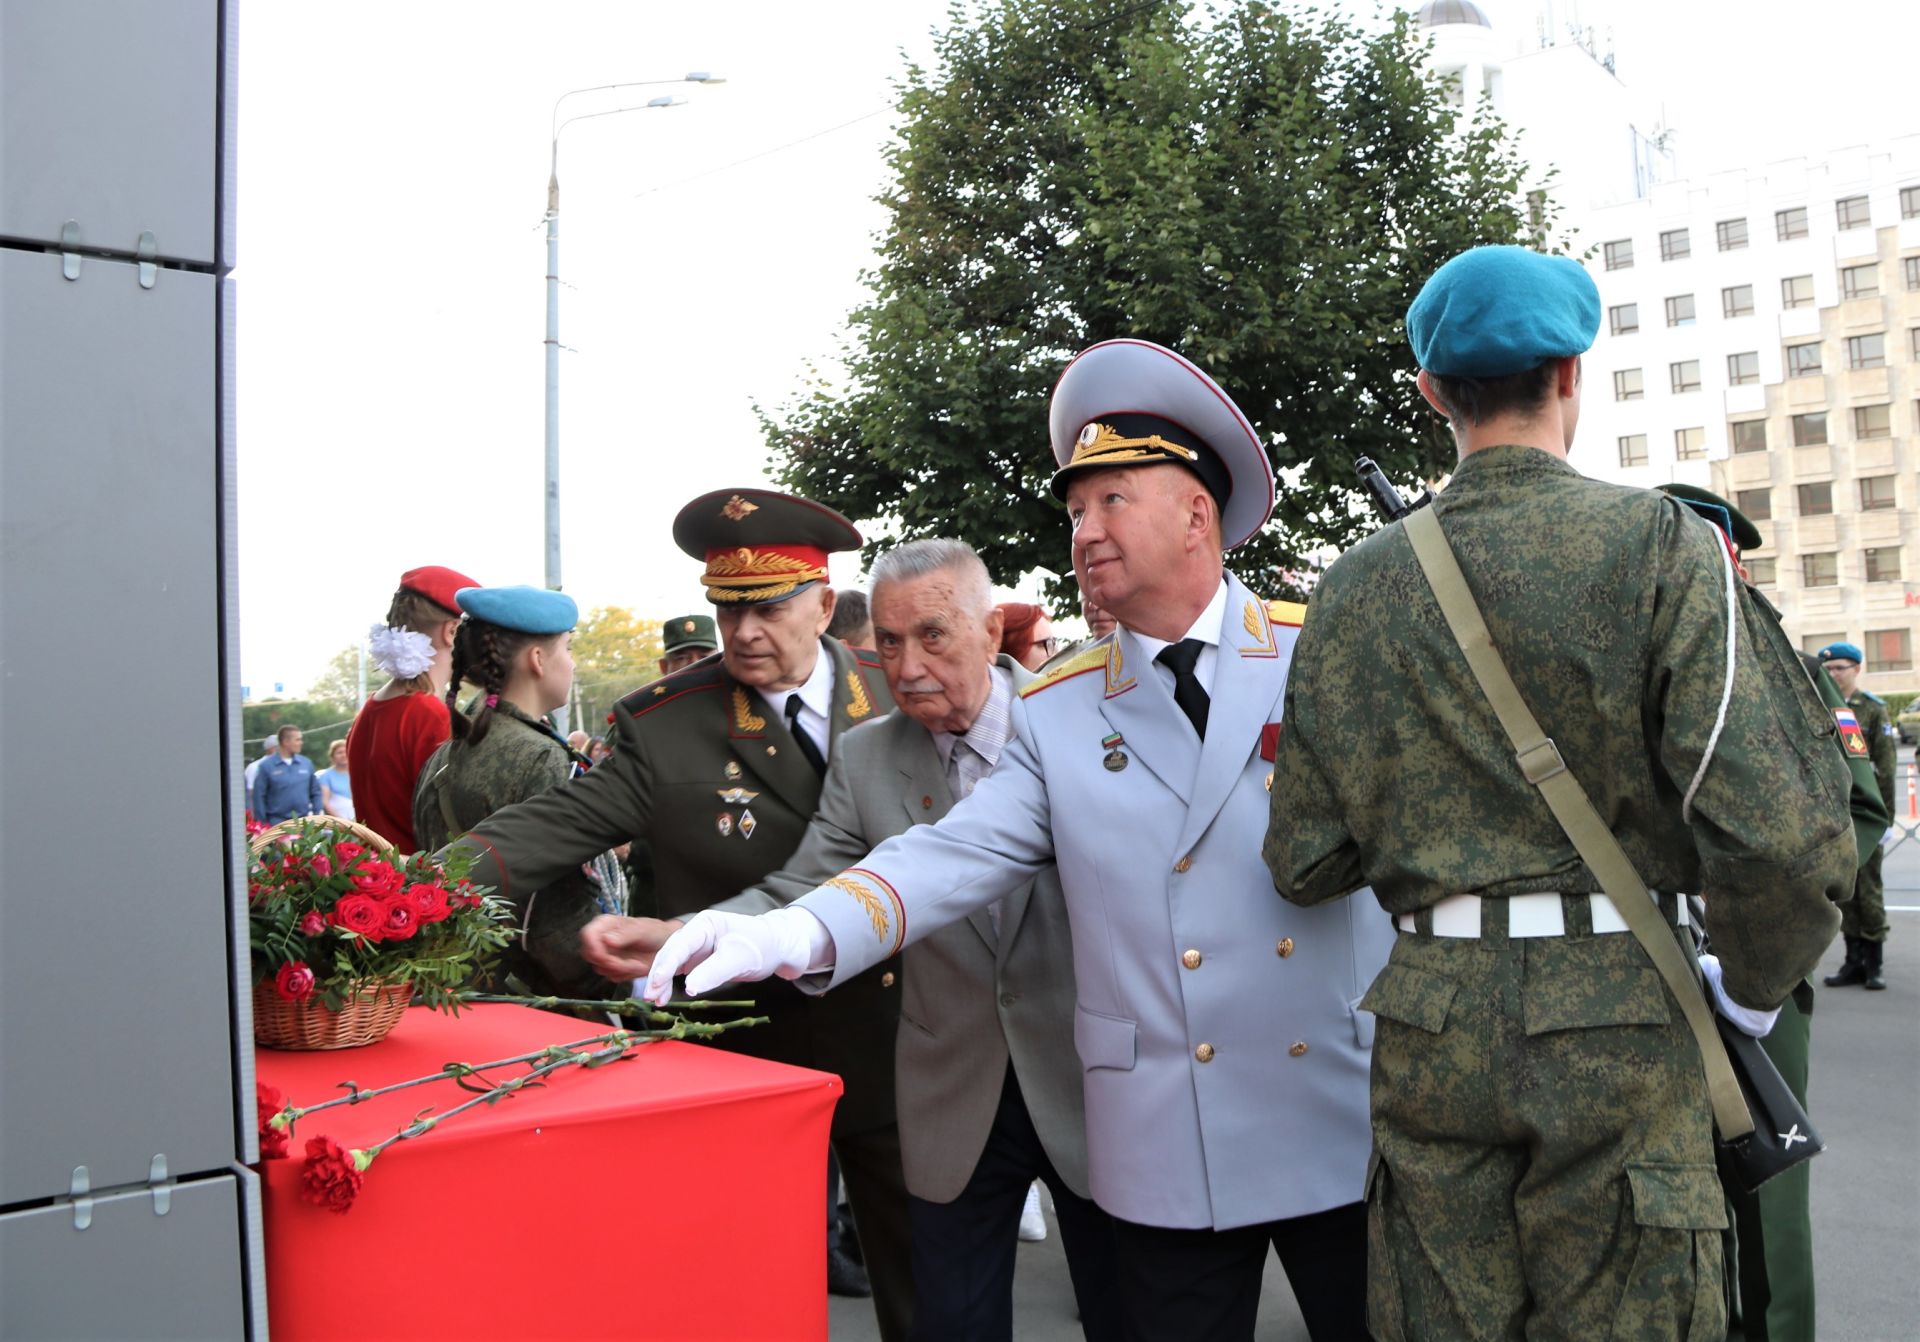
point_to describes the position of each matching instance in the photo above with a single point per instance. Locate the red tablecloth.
(679, 1194)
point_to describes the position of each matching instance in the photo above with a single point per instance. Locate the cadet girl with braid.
(515, 647)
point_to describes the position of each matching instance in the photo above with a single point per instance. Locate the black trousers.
(963, 1251)
(877, 1192)
(1205, 1284)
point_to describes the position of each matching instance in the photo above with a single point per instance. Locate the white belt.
(1527, 915)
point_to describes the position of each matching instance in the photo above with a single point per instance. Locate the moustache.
(920, 687)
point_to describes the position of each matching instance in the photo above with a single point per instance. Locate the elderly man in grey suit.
(1224, 1055)
(987, 1085)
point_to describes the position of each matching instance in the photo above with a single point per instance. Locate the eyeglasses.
(1047, 645)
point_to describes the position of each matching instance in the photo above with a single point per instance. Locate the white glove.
(1757, 1024)
(716, 948)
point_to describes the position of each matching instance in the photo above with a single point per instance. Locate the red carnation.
(313, 923)
(377, 879)
(294, 981)
(430, 903)
(401, 921)
(363, 914)
(332, 1176)
(268, 1102)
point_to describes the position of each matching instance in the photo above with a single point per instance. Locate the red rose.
(430, 903)
(377, 879)
(347, 850)
(363, 914)
(332, 1176)
(401, 920)
(255, 890)
(313, 923)
(322, 866)
(268, 1101)
(294, 981)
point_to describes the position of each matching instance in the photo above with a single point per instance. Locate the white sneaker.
(1033, 1221)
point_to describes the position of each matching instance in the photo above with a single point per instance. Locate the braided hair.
(483, 656)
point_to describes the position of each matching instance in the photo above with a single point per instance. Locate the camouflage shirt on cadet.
(460, 786)
(1394, 772)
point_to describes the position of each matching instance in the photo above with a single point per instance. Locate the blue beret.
(1498, 310)
(527, 610)
(1834, 651)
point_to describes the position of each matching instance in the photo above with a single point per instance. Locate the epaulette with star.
(1091, 658)
(703, 675)
(1290, 613)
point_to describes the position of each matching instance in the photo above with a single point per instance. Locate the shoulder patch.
(870, 660)
(1093, 658)
(1286, 612)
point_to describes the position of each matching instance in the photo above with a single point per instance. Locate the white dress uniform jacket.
(1224, 1056)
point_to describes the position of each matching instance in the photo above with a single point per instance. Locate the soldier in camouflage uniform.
(513, 646)
(1863, 922)
(1544, 1162)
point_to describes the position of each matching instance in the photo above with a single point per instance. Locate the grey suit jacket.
(970, 1000)
(1225, 1054)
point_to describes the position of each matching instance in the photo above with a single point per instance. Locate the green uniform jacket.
(712, 782)
(461, 785)
(1872, 809)
(1610, 606)
(1883, 746)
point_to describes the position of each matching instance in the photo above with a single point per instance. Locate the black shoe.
(846, 1277)
(1875, 982)
(1853, 969)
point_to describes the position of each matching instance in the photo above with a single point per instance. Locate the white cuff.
(1757, 1024)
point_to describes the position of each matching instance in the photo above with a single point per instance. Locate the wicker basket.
(364, 1019)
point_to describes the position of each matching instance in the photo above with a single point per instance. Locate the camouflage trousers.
(1543, 1164)
(1865, 915)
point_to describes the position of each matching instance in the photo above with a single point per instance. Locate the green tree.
(1261, 189)
(614, 651)
(339, 683)
(321, 723)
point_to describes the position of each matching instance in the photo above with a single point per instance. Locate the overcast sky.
(393, 167)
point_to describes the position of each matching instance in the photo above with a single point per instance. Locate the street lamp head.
(666, 100)
(705, 77)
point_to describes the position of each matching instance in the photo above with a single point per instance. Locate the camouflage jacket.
(1883, 745)
(1610, 608)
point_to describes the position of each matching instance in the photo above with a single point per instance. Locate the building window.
(1910, 271)
(1913, 344)
(1763, 573)
(1685, 375)
(1749, 435)
(1690, 444)
(1633, 449)
(1873, 421)
(1820, 570)
(1814, 642)
(1620, 254)
(1796, 291)
(1757, 504)
(1675, 245)
(1815, 500)
(1625, 319)
(1867, 351)
(1910, 202)
(1680, 310)
(1628, 385)
(1859, 281)
(1730, 234)
(1810, 429)
(1790, 224)
(1889, 650)
(1743, 369)
(1883, 563)
(1737, 301)
(1852, 212)
(1876, 493)
(1803, 360)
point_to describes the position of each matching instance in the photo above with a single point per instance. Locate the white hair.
(919, 559)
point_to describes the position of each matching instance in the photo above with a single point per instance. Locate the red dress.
(387, 744)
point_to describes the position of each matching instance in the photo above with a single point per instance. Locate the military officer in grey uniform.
(718, 768)
(1223, 1051)
(1545, 1161)
(1863, 920)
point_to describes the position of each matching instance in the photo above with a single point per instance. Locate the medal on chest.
(1116, 758)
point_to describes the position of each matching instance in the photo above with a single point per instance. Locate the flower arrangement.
(334, 914)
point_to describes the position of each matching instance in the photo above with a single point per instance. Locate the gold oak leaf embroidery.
(876, 911)
(858, 705)
(744, 718)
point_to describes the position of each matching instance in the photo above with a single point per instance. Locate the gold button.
(773, 750)
(1269, 782)
(886, 981)
(1285, 948)
(1204, 1053)
(1191, 959)
(1299, 1048)
(1183, 864)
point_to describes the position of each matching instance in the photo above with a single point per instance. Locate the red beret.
(437, 585)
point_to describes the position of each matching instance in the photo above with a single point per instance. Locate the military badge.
(736, 796)
(747, 824)
(737, 508)
(724, 823)
(732, 771)
(1851, 737)
(1116, 758)
(1270, 741)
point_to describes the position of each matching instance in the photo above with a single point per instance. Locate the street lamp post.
(553, 299)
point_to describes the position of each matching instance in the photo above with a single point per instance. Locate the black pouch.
(1783, 1136)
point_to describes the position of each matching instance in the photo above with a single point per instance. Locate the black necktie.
(808, 750)
(1181, 658)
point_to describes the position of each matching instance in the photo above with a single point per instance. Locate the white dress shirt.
(816, 701)
(1206, 629)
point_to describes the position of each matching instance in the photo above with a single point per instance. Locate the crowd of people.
(1233, 949)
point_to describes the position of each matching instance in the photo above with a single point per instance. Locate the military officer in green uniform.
(1544, 1162)
(686, 639)
(717, 768)
(1863, 922)
(514, 645)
